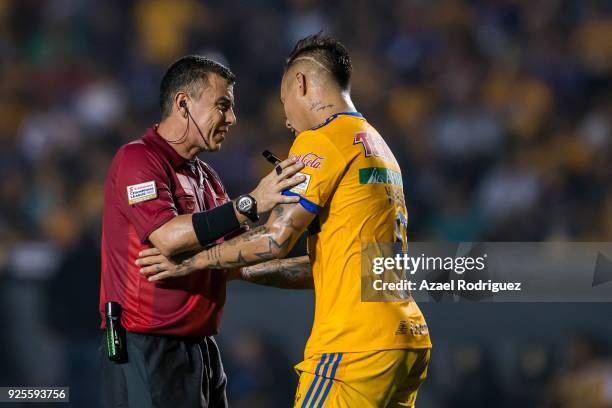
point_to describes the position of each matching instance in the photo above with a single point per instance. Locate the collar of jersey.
(334, 116)
(152, 136)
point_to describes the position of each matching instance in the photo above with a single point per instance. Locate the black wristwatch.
(247, 206)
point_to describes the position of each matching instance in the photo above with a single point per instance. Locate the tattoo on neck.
(331, 105)
(317, 106)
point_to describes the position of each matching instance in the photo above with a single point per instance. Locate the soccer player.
(359, 354)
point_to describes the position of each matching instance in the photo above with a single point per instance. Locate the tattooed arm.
(178, 234)
(273, 240)
(292, 273)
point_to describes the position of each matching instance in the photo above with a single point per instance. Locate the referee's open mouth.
(220, 135)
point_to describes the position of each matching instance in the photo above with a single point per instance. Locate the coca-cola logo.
(311, 160)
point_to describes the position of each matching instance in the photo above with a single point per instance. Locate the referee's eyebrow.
(225, 101)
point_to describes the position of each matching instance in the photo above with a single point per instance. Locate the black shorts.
(165, 372)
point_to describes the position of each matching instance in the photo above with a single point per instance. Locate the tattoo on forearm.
(293, 273)
(216, 265)
(273, 246)
(185, 267)
(214, 253)
(282, 217)
(248, 236)
(239, 261)
(178, 258)
(257, 245)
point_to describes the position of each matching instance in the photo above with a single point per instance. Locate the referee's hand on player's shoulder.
(268, 192)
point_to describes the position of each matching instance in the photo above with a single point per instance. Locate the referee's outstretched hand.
(268, 192)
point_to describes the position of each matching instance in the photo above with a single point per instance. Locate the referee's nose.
(230, 117)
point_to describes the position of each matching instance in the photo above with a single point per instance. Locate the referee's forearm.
(193, 231)
(175, 236)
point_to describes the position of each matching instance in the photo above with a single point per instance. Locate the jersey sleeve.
(143, 191)
(324, 166)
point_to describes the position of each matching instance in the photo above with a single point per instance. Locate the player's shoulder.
(311, 136)
(333, 133)
(315, 143)
(341, 133)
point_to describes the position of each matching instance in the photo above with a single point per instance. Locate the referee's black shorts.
(165, 372)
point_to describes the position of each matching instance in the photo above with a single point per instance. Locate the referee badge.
(141, 192)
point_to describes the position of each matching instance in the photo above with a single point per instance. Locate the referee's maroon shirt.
(190, 306)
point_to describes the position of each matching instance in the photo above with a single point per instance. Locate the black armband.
(213, 224)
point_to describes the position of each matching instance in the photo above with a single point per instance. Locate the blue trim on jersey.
(330, 381)
(334, 116)
(307, 204)
(314, 381)
(323, 379)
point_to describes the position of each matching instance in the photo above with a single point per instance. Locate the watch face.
(244, 204)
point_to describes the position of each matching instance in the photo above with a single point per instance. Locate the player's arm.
(193, 231)
(273, 240)
(291, 273)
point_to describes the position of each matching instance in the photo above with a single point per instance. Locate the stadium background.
(498, 111)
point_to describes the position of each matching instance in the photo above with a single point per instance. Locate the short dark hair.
(189, 74)
(328, 51)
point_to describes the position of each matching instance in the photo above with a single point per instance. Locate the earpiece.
(183, 104)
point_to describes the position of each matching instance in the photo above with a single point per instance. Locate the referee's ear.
(180, 102)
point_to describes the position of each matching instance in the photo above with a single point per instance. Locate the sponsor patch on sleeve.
(309, 159)
(141, 192)
(303, 186)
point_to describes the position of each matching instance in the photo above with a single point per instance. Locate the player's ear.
(300, 80)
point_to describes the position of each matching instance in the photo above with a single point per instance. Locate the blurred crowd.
(498, 111)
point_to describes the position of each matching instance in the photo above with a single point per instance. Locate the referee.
(158, 193)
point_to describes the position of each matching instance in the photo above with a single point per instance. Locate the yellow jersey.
(354, 185)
